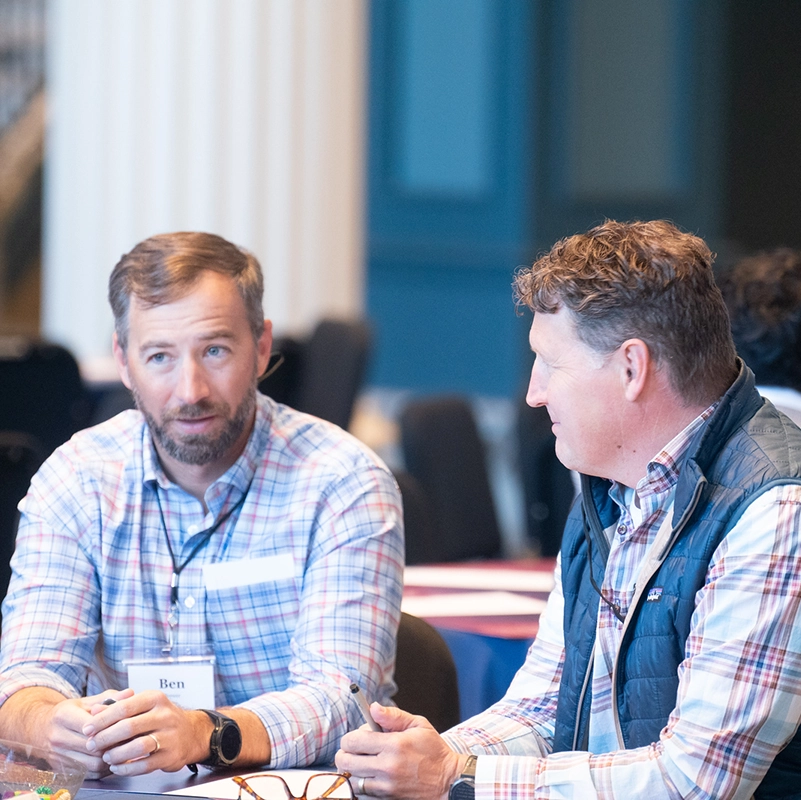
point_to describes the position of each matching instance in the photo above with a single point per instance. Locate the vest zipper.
(642, 582)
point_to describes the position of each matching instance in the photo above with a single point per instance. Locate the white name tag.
(186, 680)
(267, 569)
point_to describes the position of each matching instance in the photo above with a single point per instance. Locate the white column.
(239, 117)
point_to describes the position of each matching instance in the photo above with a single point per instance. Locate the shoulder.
(294, 441)
(102, 453)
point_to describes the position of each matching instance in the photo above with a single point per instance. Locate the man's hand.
(45, 718)
(408, 760)
(145, 732)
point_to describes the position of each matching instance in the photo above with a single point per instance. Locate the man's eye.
(158, 358)
(215, 350)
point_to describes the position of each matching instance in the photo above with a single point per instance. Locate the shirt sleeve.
(51, 615)
(522, 722)
(737, 703)
(347, 624)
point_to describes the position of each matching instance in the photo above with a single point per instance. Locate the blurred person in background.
(763, 295)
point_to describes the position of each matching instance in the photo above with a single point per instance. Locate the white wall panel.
(239, 117)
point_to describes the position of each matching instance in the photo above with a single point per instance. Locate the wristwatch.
(464, 787)
(226, 740)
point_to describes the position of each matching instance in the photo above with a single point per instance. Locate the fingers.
(393, 719)
(96, 703)
(412, 763)
(139, 734)
(64, 736)
(136, 757)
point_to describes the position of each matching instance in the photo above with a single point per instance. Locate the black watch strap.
(226, 740)
(464, 787)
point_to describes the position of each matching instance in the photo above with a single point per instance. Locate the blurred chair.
(282, 378)
(41, 391)
(426, 674)
(20, 457)
(417, 522)
(110, 403)
(442, 449)
(548, 489)
(323, 374)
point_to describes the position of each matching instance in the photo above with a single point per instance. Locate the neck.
(652, 431)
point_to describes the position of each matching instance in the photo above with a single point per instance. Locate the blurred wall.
(239, 117)
(499, 126)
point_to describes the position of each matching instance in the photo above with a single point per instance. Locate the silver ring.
(360, 786)
(158, 744)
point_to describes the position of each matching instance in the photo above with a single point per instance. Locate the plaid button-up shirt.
(737, 703)
(92, 573)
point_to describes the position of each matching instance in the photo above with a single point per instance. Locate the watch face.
(463, 789)
(230, 742)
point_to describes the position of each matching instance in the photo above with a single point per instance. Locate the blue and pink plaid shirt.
(92, 572)
(738, 700)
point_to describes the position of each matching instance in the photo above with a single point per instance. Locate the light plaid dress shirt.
(738, 699)
(91, 574)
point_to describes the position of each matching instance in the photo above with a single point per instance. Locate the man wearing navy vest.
(668, 661)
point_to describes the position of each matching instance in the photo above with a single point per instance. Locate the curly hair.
(162, 268)
(763, 293)
(645, 280)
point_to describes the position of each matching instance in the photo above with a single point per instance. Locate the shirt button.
(621, 529)
(189, 602)
(192, 530)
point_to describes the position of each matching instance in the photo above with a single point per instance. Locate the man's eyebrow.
(222, 333)
(155, 345)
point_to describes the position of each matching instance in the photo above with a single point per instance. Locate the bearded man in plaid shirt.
(668, 660)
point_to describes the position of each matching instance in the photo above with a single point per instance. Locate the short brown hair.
(645, 280)
(162, 268)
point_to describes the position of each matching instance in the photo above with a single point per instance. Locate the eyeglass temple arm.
(334, 786)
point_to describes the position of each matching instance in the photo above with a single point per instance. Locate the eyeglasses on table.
(318, 787)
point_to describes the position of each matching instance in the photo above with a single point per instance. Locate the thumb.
(394, 719)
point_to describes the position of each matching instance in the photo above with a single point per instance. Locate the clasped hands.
(136, 734)
(409, 759)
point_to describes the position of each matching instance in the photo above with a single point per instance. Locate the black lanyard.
(203, 540)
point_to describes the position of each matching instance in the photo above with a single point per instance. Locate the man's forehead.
(546, 325)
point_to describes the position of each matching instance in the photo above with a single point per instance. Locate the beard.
(200, 449)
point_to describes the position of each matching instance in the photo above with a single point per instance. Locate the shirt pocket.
(252, 610)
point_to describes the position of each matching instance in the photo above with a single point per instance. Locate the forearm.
(25, 716)
(256, 747)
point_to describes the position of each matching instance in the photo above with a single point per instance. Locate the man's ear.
(121, 360)
(635, 367)
(264, 347)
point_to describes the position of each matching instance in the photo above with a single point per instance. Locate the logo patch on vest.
(654, 595)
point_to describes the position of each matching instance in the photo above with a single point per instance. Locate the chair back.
(548, 489)
(418, 524)
(41, 391)
(20, 457)
(323, 374)
(333, 369)
(425, 674)
(442, 449)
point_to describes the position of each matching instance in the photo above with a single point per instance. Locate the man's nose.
(535, 396)
(192, 382)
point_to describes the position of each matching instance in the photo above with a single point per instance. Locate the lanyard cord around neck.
(203, 540)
